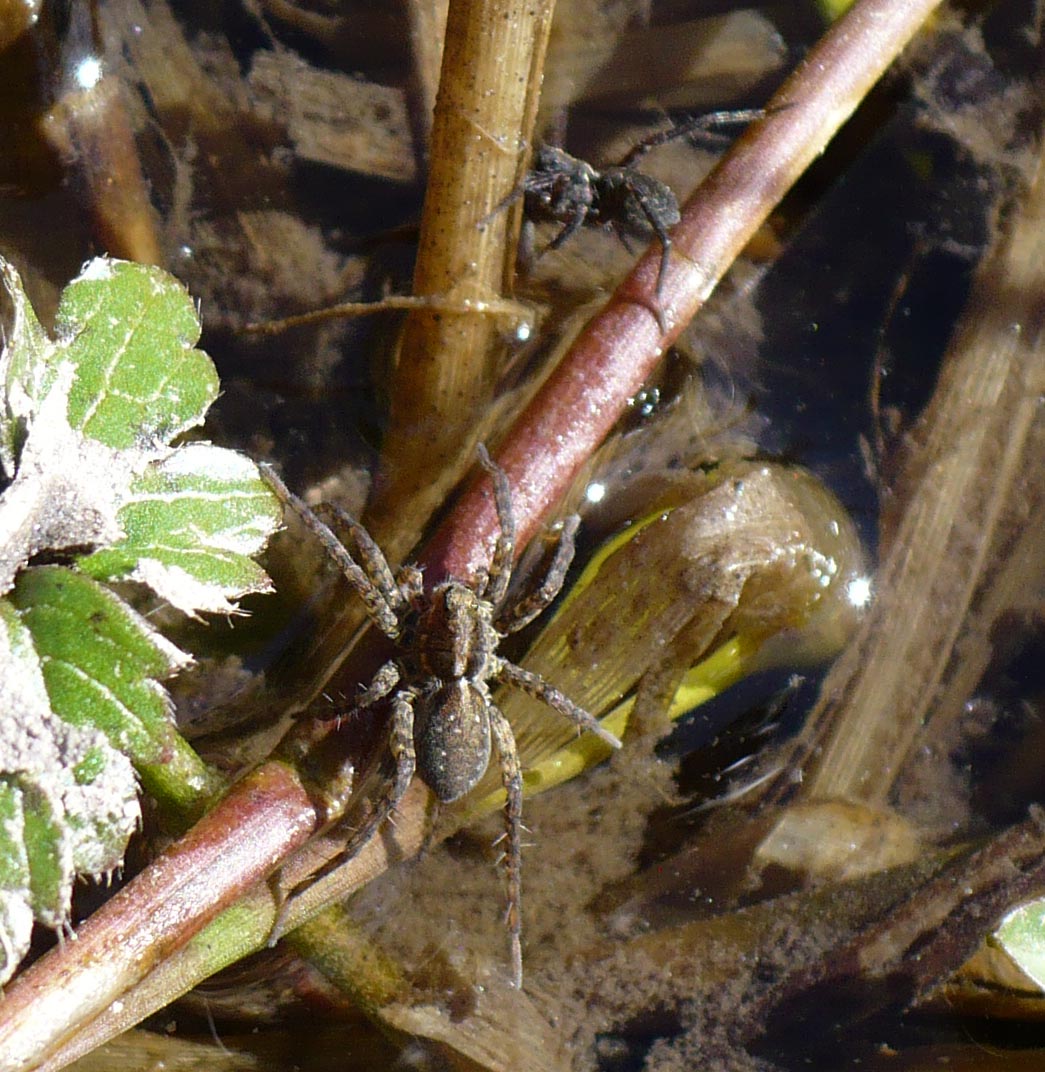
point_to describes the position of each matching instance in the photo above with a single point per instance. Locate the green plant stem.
(182, 784)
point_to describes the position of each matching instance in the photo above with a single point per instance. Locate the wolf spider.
(565, 189)
(444, 720)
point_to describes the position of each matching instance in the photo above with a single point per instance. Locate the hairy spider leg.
(405, 759)
(525, 186)
(691, 128)
(512, 619)
(665, 245)
(495, 585)
(382, 595)
(395, 589)
(401, 744)
(534, 685)
(576, 222)
(641, 190)
(381, 603)
(511, 779)
(381, 684)
(519, 190)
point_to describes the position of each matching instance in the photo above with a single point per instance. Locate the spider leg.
(381, 684)
(539, 184)
(372, 558)
(660, 230)
(401, 745)
(381, 603)
(665, 256)
(622, 236)
(524, 612)
(693, 128)
(511, 778)
(534, 685)
(575, 223)
(500, 572)
(402, 748)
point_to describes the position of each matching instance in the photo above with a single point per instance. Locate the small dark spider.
(444, 721)
(565, 189)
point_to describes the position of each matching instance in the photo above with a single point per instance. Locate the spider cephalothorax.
(445, 725)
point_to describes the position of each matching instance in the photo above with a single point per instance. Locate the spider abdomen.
(452, 739)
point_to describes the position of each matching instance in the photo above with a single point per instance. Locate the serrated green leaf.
(1022, 935)
(82, 779)
(14, 859)
(54, 824)
(130, 331)
(192, 522)
(78, 794)
(86, 421)
(100, 659)
(69, 799)
(48, 852)
(24, 370)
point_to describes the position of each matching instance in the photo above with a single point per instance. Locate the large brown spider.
(443, 717)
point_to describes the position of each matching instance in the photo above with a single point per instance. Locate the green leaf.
(68, 801)
(1022, 935)
(100, 659)
(192, 522)
(86, 462)
(129, 331)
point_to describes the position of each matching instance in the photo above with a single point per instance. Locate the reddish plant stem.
(263, 818)
(616, 353)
